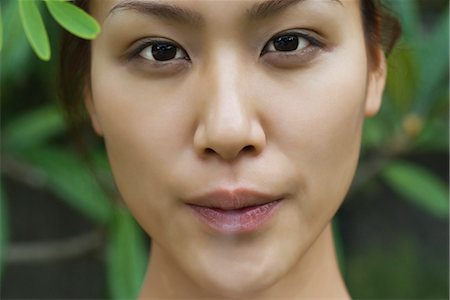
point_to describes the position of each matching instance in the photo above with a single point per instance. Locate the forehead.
(201, 11)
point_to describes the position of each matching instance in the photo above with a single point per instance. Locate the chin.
(244, 271)
(240, 284)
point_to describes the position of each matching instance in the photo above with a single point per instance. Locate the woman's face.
(224, 104)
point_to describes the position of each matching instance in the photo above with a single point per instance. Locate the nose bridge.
(226, 110)
(227, 126)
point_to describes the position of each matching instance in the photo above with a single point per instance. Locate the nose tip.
(229, 143)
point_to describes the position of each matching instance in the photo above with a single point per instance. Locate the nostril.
(248, 148)
(209, 151)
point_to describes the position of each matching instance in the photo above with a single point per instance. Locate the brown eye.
(287, 43)
(162, 51)
(291, 49)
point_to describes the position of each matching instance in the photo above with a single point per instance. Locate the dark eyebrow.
(272, 7)
(161, 10)
(182, 15)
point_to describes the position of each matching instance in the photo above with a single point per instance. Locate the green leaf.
(34, 28)
(127, 257)
(419, 186)
(33, 128)
(4, 228)
(69, 179)
(73, 19)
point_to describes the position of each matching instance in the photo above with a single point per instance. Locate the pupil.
(163, 52)
(286, 43)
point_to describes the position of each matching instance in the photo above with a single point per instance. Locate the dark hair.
(382, 30)
(73, 79)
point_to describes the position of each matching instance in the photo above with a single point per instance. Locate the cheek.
(144, 126)
(317, 124)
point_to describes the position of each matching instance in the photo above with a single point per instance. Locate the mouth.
(235, 211)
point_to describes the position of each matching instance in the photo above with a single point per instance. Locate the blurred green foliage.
(69, 16)
(413, 122)
(414, 115)
(413, 118)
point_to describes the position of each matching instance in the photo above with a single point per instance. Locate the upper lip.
(229, 199)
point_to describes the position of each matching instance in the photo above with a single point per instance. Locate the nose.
(229, 126)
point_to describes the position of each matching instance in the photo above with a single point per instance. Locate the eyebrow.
(175, 13)
(161, 10)
(270, 8)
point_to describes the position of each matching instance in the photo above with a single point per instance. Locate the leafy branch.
(69, 16)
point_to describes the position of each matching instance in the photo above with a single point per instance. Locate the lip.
(235, 211)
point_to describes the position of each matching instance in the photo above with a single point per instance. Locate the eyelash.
(312, 41)
(146, 43)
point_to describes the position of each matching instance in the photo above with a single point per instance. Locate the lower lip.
(237, 220)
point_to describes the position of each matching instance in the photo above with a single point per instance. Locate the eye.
(156, 51)
(156, 56)
(291, 42)
(161, 51)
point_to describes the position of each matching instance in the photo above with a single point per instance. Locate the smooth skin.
(231, 110)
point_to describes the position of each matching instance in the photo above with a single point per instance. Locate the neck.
(316, 275)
